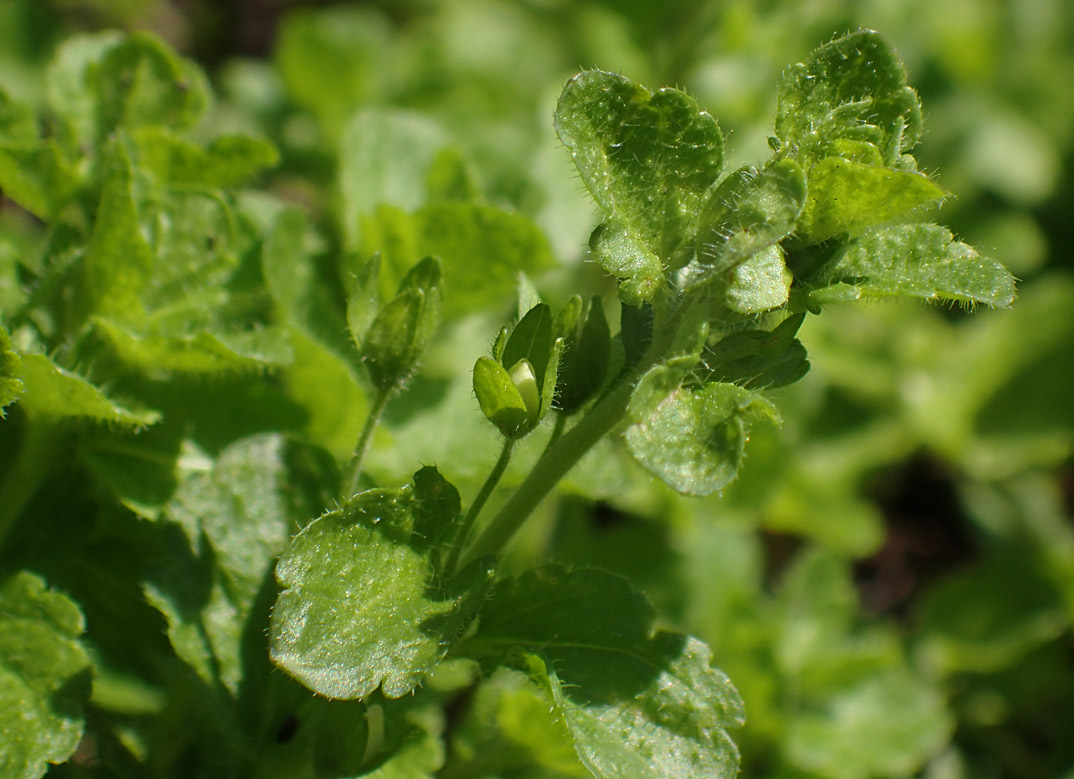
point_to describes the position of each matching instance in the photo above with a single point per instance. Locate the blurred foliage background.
(891, 582)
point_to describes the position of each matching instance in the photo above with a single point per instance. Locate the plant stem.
(479, 503)
(26, 473)
(354, 470)
(553, 465)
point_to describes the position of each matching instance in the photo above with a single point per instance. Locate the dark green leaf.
(759, 358)
(585, 359)
(692, 438)
(362, 606)
(647, 158)
(44, 677)
(852, 89)
(635, 703)
(846, 196)
(236, 516)
(922, 261)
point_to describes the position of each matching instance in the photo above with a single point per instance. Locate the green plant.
(182, 336)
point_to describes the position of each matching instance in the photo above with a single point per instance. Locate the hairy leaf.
(922, 261)
(11, 385)
(760, 283)
(634, 702)
(229, 161)
(362, 606)
(44, 676)
(847, 196)
(692, 438)
(750, 211)
(52, 391)
(648, 159)
(852, 89)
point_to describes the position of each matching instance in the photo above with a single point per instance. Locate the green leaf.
(36, 176)
(11, 385)
(404, 326)
(385, 158)
(640, 271)
(53, 392)
(647, 158)
(236, 515)
(760, 283)
(500, 399)
(750, 211)
(482, 249)
(199, 354)
(362, 605)
(119, 263)
(44, 677)
(692, 438)
(846, 196)
(101, 83)
(759, 358)
(229, 161)
(852, 89)
(922, 261)
(291, 278)
(635, 703)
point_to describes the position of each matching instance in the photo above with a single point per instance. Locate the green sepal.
(586, 356)
(693, 438)
(851, 90)
(750, 211)
(500, 399)
(847, 196)
(759, 358)
(531, 339)
(919, 260)
(363, 299)
(404, 326)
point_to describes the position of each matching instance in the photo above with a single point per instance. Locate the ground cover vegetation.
(540, 389)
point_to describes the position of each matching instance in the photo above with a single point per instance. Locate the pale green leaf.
(618, 250)
(922, 261)
(692, 438)
(647, 158)
(51, 391)
(361, 605)
(750, 211)
(851, 89)
(36, 176)
(385, 158)
(229, 161)
(44, 677)
(482, 249)
(760, 283)
(846, 196)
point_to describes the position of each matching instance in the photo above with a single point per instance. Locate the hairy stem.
(479, 503)
(354, 470)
